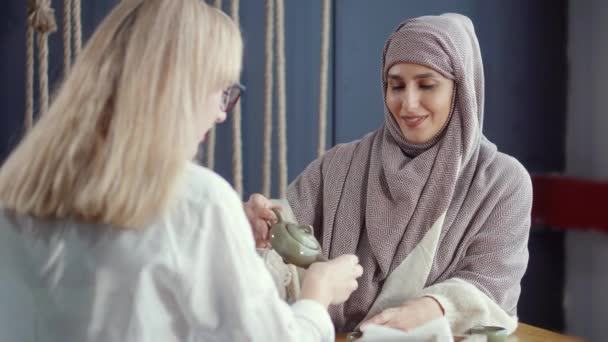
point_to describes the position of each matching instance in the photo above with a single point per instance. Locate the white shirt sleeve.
(229, 292)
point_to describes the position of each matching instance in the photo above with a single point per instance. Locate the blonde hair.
(122, 127)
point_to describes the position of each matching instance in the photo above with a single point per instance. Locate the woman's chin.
(417, 139)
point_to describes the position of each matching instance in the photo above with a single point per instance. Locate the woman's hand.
(260, 215)
(333, 281)
(410, 315)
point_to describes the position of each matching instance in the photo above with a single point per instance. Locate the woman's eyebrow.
(416, 77)
(424, 75)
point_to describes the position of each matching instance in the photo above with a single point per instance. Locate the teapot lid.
(302, 236)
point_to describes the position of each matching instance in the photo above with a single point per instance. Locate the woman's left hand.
(410, 315)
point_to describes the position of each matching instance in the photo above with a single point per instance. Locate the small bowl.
(492, 333)
(353, 336)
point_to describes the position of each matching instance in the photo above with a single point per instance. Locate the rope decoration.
(268, 83)
(323, 76)
(29, 77)
(77, 28)
(237, 157)
(211, 136)
(282, 117)
(40, 19)
(41, 16)
(41, 23)
(67, 37)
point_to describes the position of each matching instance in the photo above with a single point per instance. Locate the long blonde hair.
(122, 127)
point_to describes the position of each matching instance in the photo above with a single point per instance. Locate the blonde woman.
(109, 233)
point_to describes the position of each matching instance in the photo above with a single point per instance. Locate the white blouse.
(193, 275)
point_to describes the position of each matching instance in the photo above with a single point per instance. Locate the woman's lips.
(413, 121)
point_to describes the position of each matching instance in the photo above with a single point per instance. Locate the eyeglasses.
(231, 96)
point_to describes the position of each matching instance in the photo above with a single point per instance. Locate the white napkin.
(434, 331)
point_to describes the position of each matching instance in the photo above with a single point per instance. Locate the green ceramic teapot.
(295, 243)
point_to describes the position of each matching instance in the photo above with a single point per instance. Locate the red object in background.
(570, 203)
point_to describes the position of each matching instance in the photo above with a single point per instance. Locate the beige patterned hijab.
(378, 196)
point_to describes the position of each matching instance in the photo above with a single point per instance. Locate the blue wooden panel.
(12, 69)
(12, 61)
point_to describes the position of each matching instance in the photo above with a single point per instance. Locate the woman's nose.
(411, 100)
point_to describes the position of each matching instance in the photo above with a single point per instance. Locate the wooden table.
(524, 333)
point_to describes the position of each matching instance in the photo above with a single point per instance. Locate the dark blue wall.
(12, 61)
(523, 44)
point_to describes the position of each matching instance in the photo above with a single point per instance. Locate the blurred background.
(546, 73)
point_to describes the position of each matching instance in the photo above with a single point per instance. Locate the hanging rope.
(211, 135)
(29, 77)
(237, 159)
(42, 43)
(268, 82)
(77, 28)
(211, 149)
(282, 121)
(323, 77)
(40, 19)
(235, 8)
(67, 37)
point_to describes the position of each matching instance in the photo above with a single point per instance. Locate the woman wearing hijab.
(109, 233)
(438, 217)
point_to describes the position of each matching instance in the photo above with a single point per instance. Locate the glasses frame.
(228, 103)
